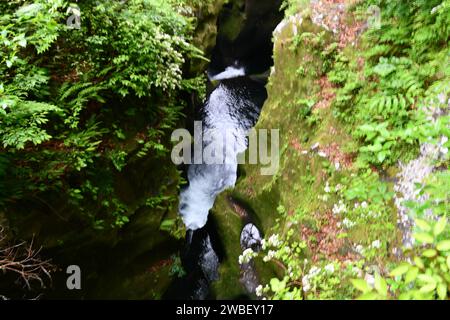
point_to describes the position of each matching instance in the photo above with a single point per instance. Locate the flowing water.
(230, 111)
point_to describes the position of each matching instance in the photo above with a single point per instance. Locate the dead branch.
(24, 260)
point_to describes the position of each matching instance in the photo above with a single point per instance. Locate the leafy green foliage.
(426, 276)
(77, 106)
(403, 61)
(392, 96)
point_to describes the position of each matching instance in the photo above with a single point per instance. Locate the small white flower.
(327, 188)
(246, 256)
(364, 204)
(263, 244)
(337, 165)
(259, 290)
(305, 283)
(314, 271)
(329, 268)
(269, 255)
(370, 279)
(274, 240)
(339, 208)
(322, 154)
(433, 11)
(315, 146)
(348, 223)
(359, 248)
(376, 244)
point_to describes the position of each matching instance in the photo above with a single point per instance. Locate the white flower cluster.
(322, 154)
(435, 9)
(270, 255)
(329, 268)
(274, 241)
(247, 256)
(376, 244)
(359, 249)
(348, 223)
(306, 280)
(339, 208)
(356, 271)
(259, 290)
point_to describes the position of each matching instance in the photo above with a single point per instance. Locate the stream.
(239, 68)
(233, 107)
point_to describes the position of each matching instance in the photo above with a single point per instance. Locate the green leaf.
(429, 253)
(422, 224)
(381, 156)
(440, 226)
(368, 296)
(405, 296)
(448, 262)
(23, 43)
(426, 278)
(428, 288)
(419, 262)
(380, 285)
(411, 275)
(383, 69)
(277, 285)
(167, 224)
(442, 291)
(423, 237)
(361, 285)
(443, 245)
(400, 270)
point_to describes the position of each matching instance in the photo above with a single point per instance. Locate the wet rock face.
(251, 237)
(245, 34)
